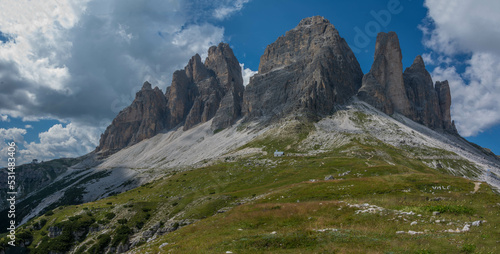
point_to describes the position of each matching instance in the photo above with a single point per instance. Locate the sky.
(67, 67)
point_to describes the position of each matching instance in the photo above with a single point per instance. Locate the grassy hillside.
(379, 201)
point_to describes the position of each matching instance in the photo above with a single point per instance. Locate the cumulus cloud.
(80, 59)
(4, 118)
(246, 73)
(58, 142)
(464, 33)
(83, 61)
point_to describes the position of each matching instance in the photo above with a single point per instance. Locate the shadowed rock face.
(228, 71)
(383, 86)
(198, 93)
(144, 118)
(205, 91)
(311, 68)
(443, 91)
(423, 97)
(410, 93)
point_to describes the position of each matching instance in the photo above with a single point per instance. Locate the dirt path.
(476, 187)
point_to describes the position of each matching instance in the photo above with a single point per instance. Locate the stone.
(310, 69)
(383, 86)
(329, 177)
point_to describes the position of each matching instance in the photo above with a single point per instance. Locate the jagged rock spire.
(443, 91)
(144, 118)
(423, 97)
(383, 86)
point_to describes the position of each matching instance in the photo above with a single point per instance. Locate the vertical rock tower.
(383, 86)
(311, 68)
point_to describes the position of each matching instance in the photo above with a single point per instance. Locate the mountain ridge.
(310, 70)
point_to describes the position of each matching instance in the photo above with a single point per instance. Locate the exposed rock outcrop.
(443, 91)
(144, 118)
(311, 68)
(383, 86)
(423, 97)
(198, 93)
(203, 91)
(222, 61)
(411, 93)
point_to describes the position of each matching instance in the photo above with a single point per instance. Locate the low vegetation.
(379, 201)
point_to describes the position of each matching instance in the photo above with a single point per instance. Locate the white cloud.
(4, 118)
(10, 135)
(59, 141)
(466, 29)
(247, 74)
(228, 10)
(28, 126)
(82, 61)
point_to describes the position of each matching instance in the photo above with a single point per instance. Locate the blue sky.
(68, 67)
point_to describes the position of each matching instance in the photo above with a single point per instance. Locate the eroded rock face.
(411, 93)
(423, 97)
(443, 91)
(144, 118)
(383, 86)
(204, 91)
(311, 68)
(222, 61)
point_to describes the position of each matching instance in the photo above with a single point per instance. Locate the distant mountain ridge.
(310, 69)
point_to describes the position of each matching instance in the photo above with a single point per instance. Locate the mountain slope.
(371, 160)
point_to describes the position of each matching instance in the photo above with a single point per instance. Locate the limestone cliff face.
(144, 118)
(423, 97)
(226, 67)
(203, 91)
(311, 68)
(198, 93)
(443, 91)
(383, 86)
(411, 93)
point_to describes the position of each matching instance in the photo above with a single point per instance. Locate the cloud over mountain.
(83, 61)
(463, 33)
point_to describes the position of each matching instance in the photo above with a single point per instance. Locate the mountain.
(410, 93)
(309, 69)
(371, 162)
(198, 93)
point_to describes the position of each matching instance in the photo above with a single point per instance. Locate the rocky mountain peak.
(223, 63)
(298, 44)
(309, 68)
(144, 118)
(195, 69)
(146, 86)
(383, 86)
(418, 63)
(315, 20)
(444, 95)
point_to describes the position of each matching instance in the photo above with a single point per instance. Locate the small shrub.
(122, 221)
(468, 248)
(110, 215)
(49, 213)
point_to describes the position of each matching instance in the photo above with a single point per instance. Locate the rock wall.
(311, 68)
